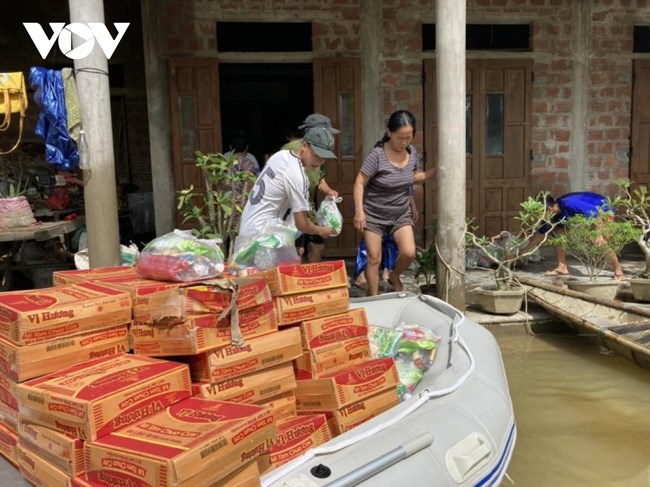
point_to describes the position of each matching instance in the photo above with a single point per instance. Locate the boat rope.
(418, 401)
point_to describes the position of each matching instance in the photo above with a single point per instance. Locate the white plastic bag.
(274, 245)
(328, 215)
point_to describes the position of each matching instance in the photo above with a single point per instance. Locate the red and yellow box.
(295, 435)
(283, 405)
(250, 388)
(38, 471)
(352, 415)
(45, 314)
(246, 476)
(63, 451)
(211, 297)
(21, 363)
(322, 361)
(75, 276)
(9, 416)
(335, 328)
(347, 386)
(97, 397)
(9, 444)
(303, 278)
(201, 333)
(256, 354)
(302, 307)
(198, 440)
(8, 391)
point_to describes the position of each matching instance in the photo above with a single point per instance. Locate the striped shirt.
(389, 188)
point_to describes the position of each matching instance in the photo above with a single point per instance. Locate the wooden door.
(640, 163)
(195, 117)
(337, 94)
(498, 133)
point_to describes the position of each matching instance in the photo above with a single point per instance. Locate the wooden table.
(12, 239)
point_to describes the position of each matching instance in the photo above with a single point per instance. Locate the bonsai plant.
(503, 251)
(215, 211)
(594, 242)
(634, 204)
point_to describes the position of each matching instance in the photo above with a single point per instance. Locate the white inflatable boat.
(458, 429)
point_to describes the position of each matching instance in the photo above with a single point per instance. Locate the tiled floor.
(10, 476)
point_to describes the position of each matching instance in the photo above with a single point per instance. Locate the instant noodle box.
(352, 415)
(215, 296)
(9, 416)
(9, 444)
(38, 471)
(303, 278)
(334, 328)
(75, 276)
(250, 388)
(325, 360)
(29, 361)
(8, 391)
(347, 386)
(302, 307)
(45, 314)
(201, 333)
(194, 443)
(95, 398)
(256, 354)
(61, 450)
(283, 405)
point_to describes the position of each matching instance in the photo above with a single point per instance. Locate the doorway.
(264, 100)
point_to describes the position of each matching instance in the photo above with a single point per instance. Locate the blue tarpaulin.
(60, 149)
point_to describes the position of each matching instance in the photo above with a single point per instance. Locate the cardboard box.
(97, 397)
(304, 278)
(45, 314)
(283, 405)
(8, 391)
(9, 445)
(38, 471)
(61, 450)
(194, 438)
(250, 388)
(201, 333)
(352, 415)
(347, 386)
(295, 435)
(246, 476)
(214, 296)
(325, 360)
(9, 416)
(302, 307)
(335, 328)
(65, 278)
(257, 354)
(21, 363)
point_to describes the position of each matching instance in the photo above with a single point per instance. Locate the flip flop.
(555, 273)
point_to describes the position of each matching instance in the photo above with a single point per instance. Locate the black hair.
(238, 141)
(397, 120)
(292, 133)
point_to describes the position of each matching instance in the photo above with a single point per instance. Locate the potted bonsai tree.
(594, 242)
(634, 204)
(503, 251)
(215, 210)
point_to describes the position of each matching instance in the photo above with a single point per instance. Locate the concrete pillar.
(100, 195)
(158, 110)
(371, 33)
(450, 174)
(581, 47)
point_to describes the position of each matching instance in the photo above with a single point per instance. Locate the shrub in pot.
(594, 242)
(503, 251)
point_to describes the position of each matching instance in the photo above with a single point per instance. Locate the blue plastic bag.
(389, 254)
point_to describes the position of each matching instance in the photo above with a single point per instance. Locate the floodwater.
(583, 414)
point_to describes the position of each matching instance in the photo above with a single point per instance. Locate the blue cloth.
(52, 124)
(579, 203)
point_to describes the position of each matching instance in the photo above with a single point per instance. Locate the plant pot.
(640, 289)
(600, 288)
(15, 212)
(500, 302)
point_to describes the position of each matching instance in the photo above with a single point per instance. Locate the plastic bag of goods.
(413, 347)
(275, 245)
(328, 215)
(180, 256)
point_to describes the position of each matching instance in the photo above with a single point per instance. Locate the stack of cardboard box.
(48, 329)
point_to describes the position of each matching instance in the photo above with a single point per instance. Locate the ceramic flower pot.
(500, 302)
(601, 288)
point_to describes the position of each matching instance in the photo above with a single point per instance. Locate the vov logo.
(91, 32)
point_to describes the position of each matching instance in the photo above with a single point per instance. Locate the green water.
(583, 414)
